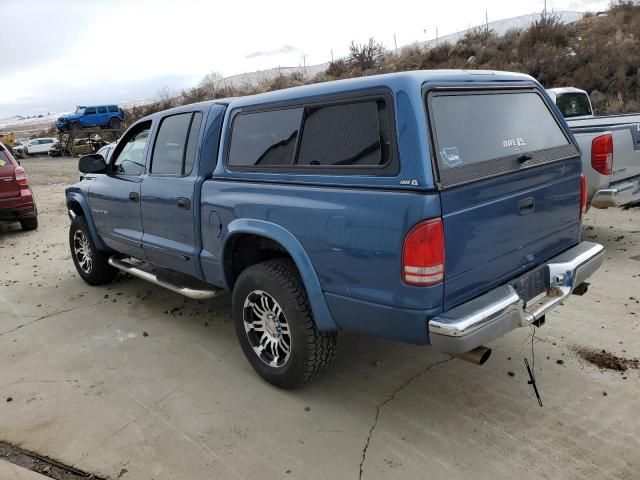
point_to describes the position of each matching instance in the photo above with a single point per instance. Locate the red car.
(16, 198)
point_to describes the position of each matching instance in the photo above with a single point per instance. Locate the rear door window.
(175, 146)
(170, 143)
(102, 109)
(480, 134)
(192, 143)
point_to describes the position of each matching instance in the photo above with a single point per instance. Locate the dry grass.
(600, 54)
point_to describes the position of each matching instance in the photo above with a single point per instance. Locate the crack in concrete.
(41, 464)
(19, 382)
(26, 324)
(379, 407)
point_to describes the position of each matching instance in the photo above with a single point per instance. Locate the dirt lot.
(130, 381)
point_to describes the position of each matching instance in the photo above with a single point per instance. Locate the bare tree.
(211, 83)
(166, 97)
(366, 56)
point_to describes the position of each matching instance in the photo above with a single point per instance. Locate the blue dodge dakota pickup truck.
(431, 207)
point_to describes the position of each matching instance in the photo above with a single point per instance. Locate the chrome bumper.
(617, 195)
(501, 310)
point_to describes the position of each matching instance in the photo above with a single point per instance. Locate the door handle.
(526, 205)
(134, 196)
(184, 203)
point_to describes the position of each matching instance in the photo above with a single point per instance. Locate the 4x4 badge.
(413, 183)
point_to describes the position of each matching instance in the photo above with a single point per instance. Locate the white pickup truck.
(610, 148)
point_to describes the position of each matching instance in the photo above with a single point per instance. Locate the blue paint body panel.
(345, 232)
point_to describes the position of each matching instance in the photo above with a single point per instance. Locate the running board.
(120, 263)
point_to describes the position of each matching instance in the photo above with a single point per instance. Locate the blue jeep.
(430, 207)
(103, 116)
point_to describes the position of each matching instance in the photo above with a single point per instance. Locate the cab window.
(129, 157)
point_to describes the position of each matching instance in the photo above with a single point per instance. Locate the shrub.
(367, 56)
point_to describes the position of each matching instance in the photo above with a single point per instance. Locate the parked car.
(16, 198)
(103, 116)
(81, 146)
(430, 207)
(610, 149)
(39, 146)
(106, 151)
(18, 148)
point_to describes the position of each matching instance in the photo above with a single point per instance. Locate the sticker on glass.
(451, 157)
(2, 163)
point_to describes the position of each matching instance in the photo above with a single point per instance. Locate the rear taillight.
(583, 195)
(423, 254)
(602, 154)
(21, 177)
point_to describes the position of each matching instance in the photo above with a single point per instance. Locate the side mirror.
(93, 163)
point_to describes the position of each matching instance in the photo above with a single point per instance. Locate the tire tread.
(321, 346)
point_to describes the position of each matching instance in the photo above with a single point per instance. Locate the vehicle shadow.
(10, 229)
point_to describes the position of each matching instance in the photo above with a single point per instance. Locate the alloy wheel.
(267, 328)
(82, 251)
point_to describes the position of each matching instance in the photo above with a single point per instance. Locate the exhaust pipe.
(478, 355)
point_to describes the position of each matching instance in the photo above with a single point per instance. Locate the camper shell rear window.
(484, 133)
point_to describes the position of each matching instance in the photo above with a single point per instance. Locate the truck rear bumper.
(501, 310)
(617, 195)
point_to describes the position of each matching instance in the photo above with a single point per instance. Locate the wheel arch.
(291, 247)
(77, 206)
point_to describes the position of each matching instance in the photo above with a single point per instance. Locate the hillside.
(599, 53)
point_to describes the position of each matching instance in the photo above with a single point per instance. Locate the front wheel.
(92, 264)
(274, 324)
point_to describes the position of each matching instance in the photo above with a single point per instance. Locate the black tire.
(311, 351)
(30, 223)
(114, 123)
(97, 270)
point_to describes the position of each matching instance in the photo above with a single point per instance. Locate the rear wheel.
(114, 123)
(274, 324)
(92, 264)
(30, 223)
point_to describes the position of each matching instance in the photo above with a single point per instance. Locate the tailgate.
(626, 152)
(9, 188)
(510, 180)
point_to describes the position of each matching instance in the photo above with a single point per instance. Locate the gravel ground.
(129, 381)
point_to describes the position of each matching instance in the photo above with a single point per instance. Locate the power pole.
(486, 21)
(395, 42)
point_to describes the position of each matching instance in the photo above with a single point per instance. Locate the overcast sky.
(57, 54)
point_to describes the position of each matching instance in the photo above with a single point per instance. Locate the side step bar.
(120, 263)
